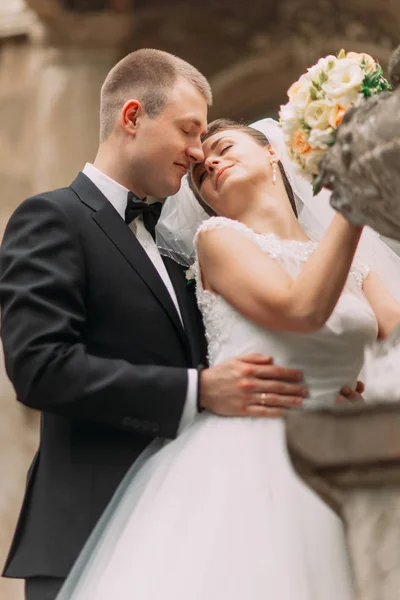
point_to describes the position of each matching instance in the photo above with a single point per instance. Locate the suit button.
(127, 422)
(131, 423)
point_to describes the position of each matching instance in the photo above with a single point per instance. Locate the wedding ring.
(263, 398)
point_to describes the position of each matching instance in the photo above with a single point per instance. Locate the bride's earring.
(274, 166)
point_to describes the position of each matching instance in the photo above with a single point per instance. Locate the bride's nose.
(211, 163)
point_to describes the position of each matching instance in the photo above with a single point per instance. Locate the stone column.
(49, 101)
(76, 52)
(350, 456)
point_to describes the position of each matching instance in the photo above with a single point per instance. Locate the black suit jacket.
(92, 339)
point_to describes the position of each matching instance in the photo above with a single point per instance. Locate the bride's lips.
(220, 172)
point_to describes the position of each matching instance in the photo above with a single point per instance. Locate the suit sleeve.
(42, 292)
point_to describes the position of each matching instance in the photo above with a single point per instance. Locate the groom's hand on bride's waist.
(251, 386)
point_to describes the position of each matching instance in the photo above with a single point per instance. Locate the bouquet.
(319, 100)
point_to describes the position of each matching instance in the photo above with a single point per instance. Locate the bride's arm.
(234, 267)
(384, 305)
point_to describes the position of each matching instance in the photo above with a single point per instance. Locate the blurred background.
(54, 55)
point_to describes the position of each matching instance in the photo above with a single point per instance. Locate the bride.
(218, 513)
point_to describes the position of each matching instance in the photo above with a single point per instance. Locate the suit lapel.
(115, 228)
(187, 305)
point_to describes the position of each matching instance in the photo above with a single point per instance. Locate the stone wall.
(49, 103)
(18, 425)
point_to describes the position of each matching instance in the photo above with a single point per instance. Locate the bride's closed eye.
(225, 148)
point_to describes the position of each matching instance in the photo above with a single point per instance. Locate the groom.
(100, 333)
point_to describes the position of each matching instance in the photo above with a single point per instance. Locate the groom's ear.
(131, 111)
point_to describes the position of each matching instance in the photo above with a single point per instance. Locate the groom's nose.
(195, 154)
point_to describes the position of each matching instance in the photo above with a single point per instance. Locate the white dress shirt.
(117, 195)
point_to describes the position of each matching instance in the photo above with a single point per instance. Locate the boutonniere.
(190, 275)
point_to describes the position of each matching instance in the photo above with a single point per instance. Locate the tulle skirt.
(217, 514)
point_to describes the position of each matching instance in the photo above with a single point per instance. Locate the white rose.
(311, 161)
(288, 118)
(317, 114)
(320, 138)
(303, 98)
(295, 87)
(299, 93)
(345, 79)
(191, 272)
(324, 64)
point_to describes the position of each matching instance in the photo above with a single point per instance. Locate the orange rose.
(299, 142)
(336, 116)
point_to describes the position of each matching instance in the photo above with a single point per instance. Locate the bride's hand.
(349, 396)
(251, 386)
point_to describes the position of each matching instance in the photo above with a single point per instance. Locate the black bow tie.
(136, 207)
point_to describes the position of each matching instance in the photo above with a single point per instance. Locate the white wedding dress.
(218, 513)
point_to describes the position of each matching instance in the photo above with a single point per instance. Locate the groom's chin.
(173, 188)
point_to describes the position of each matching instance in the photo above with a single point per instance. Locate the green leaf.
(323, 77)
(341, 54)
(374, 79)
(313, 94)
(385, 86)
(316, 187)
(366, 92)
(305, 126)
(374, 84)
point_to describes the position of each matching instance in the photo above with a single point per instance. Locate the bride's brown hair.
(223, 125)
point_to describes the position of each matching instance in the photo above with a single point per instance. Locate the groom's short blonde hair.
(147, 75)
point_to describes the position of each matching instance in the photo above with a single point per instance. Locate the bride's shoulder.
(222, 223)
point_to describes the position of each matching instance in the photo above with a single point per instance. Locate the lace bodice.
(333, 354)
